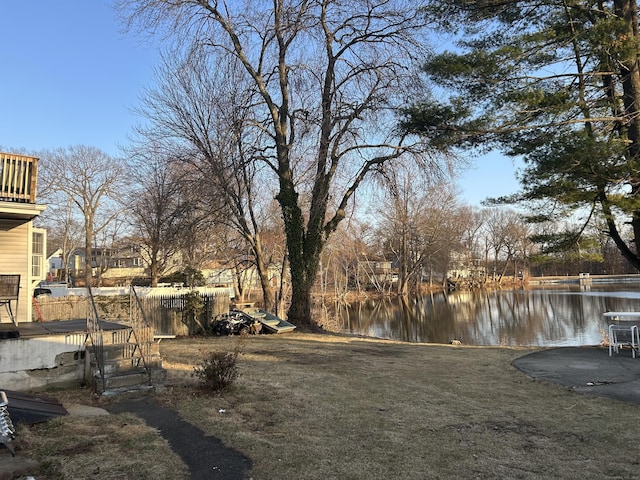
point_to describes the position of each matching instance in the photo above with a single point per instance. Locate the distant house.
(125, 260)
(54, 261)
(376, 271)
(23, 249)
(464, 266)
(219, 275)
(99, 257)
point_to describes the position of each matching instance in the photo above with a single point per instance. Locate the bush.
(218, 370)
(189, 276)
(193, 307)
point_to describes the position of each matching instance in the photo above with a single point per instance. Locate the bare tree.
(344, 259)
(508, 237)
(108, 238)
(157, 209)
(201, 236)
(64, 231)
(419, 224)
(93, 182)
(327, 78)
(200, 102)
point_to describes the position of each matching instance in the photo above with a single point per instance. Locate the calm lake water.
(567, 315)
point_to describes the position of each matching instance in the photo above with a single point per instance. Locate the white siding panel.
(14, 259)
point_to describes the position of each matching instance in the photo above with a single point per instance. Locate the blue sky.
(70, 76)
(492, 175)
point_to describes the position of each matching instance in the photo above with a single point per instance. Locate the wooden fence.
(164, 313)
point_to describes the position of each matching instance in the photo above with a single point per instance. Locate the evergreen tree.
(556, 82)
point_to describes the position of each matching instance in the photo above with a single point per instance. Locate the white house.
(22, 246)
(55, 262)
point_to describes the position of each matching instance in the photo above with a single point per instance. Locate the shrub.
(193, 307)
(188, 275)
(218, 370)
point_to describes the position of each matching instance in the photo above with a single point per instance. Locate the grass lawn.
(310, 407)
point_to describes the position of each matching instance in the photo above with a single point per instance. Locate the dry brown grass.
(106, 447)
(336, 407)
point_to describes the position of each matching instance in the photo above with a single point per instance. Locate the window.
(37, 255)
(36, 266)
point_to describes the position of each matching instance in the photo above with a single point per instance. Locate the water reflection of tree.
(548, 317)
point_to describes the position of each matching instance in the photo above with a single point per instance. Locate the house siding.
(15, 245)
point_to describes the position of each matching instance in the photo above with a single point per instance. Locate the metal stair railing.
(95, 334)
(140, 325)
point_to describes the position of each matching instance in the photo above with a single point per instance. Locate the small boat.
(270, 322)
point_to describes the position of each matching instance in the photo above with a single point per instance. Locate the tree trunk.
(612, 228)
(268, 297)
(65, 260)
(627, 10)
(304, 260)
(153, 270)
(281, 291)
(304, 263)
(300, 309)
(403, 273)
(240, 290)
(87, 255)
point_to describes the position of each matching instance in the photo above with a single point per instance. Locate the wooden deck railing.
(18, 178)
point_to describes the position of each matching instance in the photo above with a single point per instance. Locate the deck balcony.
(18, 182)
(18, 178)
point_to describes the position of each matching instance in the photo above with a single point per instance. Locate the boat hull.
(270, 322)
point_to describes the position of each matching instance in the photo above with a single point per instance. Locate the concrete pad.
(85, 410)
(586, 370)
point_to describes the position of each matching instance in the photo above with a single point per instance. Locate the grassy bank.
(335, 407)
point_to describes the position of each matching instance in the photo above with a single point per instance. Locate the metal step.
(127, 364)
(129, 379)
(123, 367)
(123, 379)
(112, 392)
